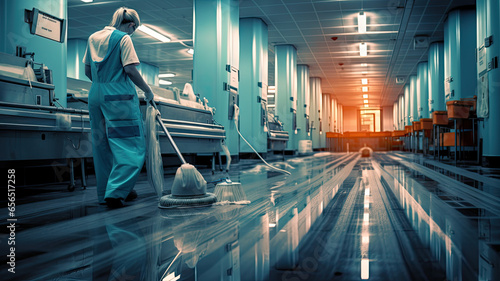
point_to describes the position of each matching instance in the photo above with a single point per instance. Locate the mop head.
(229, 192)
(172, 201)
(188, 190)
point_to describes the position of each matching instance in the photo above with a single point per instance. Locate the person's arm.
(88, 72)
(130, 60)
(136, 77)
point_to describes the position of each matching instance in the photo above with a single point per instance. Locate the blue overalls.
(117, 132)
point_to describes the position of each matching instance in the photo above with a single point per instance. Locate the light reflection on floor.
(331, 219)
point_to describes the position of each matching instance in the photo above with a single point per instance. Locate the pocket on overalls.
(121, 107)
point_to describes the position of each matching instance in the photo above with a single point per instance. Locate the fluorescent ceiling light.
(366, 105)
(87, 1)
(365, 96)
(364, 64)
(365, 89)
(364, 81)
(361, 22)
(363, 51)
(165, 75)
(190, 51)
(153, 33)
(165, 82)
(365, 101)
(364, 72)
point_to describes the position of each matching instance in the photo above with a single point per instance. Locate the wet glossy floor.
(393, 216)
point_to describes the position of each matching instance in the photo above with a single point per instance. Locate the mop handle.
(158, 117)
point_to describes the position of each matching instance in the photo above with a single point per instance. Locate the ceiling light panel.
(153, 33)
(166, 75)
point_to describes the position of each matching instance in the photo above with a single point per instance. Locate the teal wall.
(15, 32)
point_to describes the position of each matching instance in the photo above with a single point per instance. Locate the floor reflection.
(337, 217)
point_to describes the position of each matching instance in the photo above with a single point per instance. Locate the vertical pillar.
(253, 83)
(459, 59)
(149, 73)
(325, 113)
(75, 66)
(401, 112)
(407, 100)
(334, 115)
(413, 99)
(303, 95)
(394, 115)
(333, 107)
(341, 118)
(422, 90)
(216, 60)
(15, 32)
(488, 79)
(286, 90)
(436, 77)
(315, 111)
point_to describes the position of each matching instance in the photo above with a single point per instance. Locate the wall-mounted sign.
(46, 25)
(481, 61)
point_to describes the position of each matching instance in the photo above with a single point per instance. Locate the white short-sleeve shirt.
(97, 47)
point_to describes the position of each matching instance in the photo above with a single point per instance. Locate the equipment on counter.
(32, 128)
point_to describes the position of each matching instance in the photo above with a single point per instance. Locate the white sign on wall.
(45, 25)
(482, 65)
(48, 27)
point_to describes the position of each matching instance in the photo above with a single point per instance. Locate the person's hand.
(148, 96)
